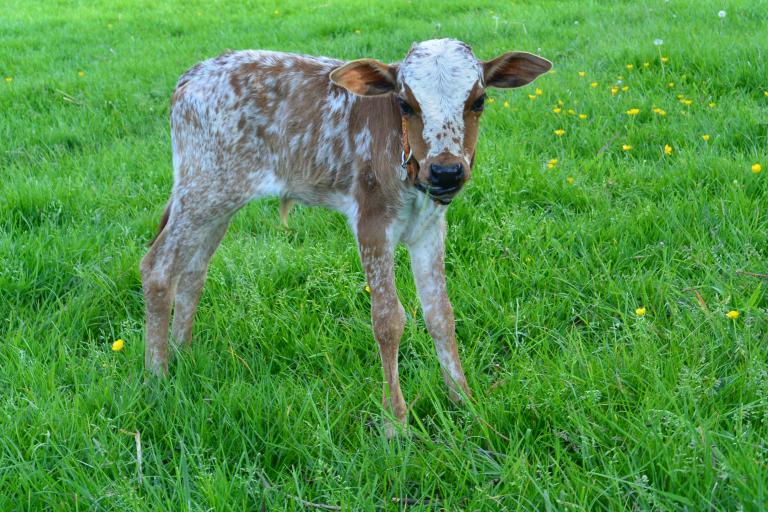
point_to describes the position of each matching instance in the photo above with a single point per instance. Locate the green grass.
(581, 404)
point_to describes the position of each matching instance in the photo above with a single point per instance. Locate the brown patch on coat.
(234, 82)
(471, 127)
(416, 133)
(178, 93)
(293, 103)
(191, 118)
(378, 184)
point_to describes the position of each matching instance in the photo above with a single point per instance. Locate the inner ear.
(514, 69)
(366, 77)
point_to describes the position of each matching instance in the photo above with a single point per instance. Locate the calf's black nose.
(442, 175)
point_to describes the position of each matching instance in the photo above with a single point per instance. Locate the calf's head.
(440, 88)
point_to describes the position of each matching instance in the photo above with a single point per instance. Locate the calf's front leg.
(428, 265)
(387, 315)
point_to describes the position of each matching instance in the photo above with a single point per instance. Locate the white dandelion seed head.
(721, 14)
(658, 42)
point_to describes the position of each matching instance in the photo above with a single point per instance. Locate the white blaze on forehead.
(441, 73)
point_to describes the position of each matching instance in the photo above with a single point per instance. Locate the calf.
(389, 146)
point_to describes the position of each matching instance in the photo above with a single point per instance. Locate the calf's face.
(440, 88)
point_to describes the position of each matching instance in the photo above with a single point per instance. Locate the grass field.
(583, 401)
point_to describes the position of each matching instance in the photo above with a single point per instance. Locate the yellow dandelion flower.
(367, 289)
(686, 102)
(557, 110)
(560, 102)
(646, 64)
(712, 104)
(733, 314)
(506, 104)
(671, 85)
(582, 74)
(491, 101)
(756, 168)
(640, 311)
(118, 345)
(582, 116)
(665, 59)
(560, 132)
(667, 149)
(681, 96)
(531, 96)
(660, 111)
(571, 112)
(81, 73)
(630, 67)
(8, 79)
(765, 93)
(626, 147)
(614, 90)
(553, 161)
(570, 180)
(593, 84)
(625, 88)
(705, 137)
(633, 111)
(550, 166)
(538, 92)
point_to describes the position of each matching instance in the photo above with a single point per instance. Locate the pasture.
(607, 266)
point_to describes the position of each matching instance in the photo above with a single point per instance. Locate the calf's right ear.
(366, 77)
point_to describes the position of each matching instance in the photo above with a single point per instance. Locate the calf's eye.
(479, 104)
(405, 108)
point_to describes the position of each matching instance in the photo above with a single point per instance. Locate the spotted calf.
(389, 146)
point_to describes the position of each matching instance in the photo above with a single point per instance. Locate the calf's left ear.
(514, 69)
(366, 77)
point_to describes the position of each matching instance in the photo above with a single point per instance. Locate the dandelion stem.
(137, 439)
(663, 67)
(752, 274)
(608, 144)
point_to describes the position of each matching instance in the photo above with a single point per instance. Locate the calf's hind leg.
(174, 268)
(191, 282)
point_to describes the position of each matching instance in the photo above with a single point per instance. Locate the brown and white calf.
(320, 131)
